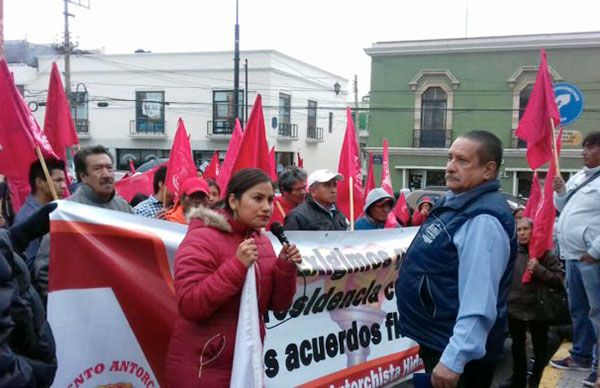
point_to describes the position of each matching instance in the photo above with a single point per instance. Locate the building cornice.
(508, 152)
(486, 44)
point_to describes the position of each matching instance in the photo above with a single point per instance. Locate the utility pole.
(236, 69)
(67, 47)
(245, 92)
(1, 28)
(356, 92)
(67, 43)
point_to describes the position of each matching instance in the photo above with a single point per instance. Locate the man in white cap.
(318, 211)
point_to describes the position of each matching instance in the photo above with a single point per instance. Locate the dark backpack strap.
(572, 193)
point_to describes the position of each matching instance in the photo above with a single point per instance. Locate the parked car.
(436, 192)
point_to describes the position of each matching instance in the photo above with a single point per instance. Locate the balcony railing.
(432, 138)
(314, 134)
(82, 126)
(220, 128)
(147, 128)
(287, 131)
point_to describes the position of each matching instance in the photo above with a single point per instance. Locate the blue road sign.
(569, 100)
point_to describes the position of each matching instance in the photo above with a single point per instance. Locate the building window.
(523, 101)
(521, 84)
(285, 114)
(330, 122)
(434, 107)
(80, 111)
(138, 155)
(224, 111)
(311, 122)
(150, 112)
(434, 99)
(283, 160)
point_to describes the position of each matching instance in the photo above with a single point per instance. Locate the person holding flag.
(579, 241)
(41, 195)
(211, 266)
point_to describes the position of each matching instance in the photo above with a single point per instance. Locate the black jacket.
(522, 298)
(309, 215)
(28, 354)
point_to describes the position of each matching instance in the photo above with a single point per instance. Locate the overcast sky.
(330, 34)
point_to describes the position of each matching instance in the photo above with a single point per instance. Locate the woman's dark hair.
(160, 175)
(242, 181)
(213, 183)
(592, 139)
(139, 197)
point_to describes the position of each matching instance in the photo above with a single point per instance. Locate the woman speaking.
(210, 269)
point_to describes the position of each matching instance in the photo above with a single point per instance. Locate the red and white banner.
(112, 306)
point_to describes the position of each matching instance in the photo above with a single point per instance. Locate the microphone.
(279, 232)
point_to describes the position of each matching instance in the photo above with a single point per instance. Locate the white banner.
(112, 304)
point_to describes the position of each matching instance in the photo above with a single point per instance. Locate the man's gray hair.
(289, 177)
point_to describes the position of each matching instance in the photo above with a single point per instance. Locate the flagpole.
(554, 148)
(46, 173)
(351, 183)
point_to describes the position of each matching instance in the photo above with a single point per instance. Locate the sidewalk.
(557, 378)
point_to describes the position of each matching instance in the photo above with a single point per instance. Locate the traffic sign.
(569, 100)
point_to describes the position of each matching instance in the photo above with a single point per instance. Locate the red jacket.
(208, 284)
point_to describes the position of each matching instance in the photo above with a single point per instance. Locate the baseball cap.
(194, 185)
(323, 176)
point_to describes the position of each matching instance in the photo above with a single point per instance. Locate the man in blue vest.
(453, 284)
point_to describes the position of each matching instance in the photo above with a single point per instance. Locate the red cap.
(194, 185)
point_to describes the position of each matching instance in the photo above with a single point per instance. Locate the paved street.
(553, 378)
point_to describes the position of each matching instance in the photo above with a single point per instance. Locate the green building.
(424, 94)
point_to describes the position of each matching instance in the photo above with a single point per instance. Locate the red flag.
(142, 183)
(212, 170)
(181, 165)
(273, 167)
(386, 179)
(370, 184)
(254, 149)
(20, 134)
(534, 198)
(58, 123)
(131, 167)
(386, 183)
(535, 126)
(349, 167)
(543, 222)
(230, 157)
(401, 210)
(300, 161)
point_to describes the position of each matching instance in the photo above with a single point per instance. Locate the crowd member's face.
(213, 195)
(523, 231)
(99, 175)
(324, 193)
(518, 214)
(255, 206)
(59, 181)
(464, 170)
(591, 155)
(194, 200)
(297, 194)
(425, 208)
(380, 210)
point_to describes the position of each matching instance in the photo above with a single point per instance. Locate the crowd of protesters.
(467, 263)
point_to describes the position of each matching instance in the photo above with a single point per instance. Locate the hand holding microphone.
(289, 252)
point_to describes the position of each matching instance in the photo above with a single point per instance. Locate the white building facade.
(131, 103)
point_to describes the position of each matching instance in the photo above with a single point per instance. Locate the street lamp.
(336, 88)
